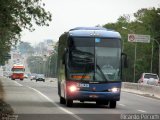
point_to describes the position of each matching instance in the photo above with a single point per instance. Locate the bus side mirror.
(124, 60)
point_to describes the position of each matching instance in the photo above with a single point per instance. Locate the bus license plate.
(93, 96)
(82, 85)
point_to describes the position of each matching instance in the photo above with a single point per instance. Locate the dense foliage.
(16, 15)
(25, 48)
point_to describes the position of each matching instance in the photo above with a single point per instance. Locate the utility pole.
(135, 54)
(159, 55)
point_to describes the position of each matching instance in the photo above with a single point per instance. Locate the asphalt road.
(32, 100)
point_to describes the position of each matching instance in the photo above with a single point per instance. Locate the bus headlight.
(114, 90)
(72, 88)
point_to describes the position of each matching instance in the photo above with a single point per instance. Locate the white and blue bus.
(89, 66)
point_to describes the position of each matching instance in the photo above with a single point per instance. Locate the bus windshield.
(18, 70)
(94, 59)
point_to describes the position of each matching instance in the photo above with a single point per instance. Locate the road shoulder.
(138, 92)
(5, 108)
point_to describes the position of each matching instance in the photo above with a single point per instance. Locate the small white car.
(149, 78)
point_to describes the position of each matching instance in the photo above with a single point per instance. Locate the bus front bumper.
(93, 96)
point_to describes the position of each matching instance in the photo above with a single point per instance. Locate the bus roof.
(18, 66)
(94, 31)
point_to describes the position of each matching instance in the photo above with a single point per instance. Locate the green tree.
(25, 48)
(35, 64)
(51, 63)
(16, 15)
(151, 18)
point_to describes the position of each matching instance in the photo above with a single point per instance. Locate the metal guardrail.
(143, 88)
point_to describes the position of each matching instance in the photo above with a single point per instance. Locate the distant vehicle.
(7, 73)
(40, 77)
(33, 76)
(18, 71)
(89, 66)
(25, 76)
(149, 78)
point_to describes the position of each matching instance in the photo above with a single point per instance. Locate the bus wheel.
(62, 100)
(69, 103)
(112, 104)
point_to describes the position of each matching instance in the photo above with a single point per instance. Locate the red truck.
(18, 72)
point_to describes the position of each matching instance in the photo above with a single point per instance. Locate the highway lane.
(41, 98)
(30, 105)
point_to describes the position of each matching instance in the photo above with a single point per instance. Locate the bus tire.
(62, 100)
(112, 104)
(69, 102)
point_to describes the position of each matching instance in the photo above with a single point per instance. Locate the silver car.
(149, 78)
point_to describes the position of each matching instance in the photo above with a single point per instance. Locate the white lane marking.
(122, 105)
(142, 111)
(18, 83)
(63, 109)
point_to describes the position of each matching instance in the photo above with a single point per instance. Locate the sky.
(68, 14)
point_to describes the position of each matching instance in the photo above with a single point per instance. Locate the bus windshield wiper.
(103, 76)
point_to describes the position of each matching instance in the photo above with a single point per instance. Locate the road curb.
(137, 92)
(142, 89)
